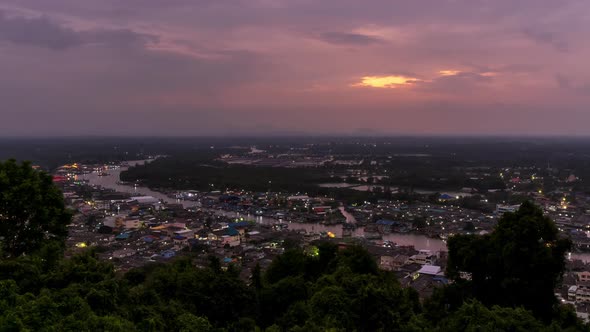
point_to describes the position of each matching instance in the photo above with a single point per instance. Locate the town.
(133, 225)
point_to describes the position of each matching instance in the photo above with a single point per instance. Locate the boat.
(389, 244)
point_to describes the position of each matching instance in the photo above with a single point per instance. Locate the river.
(111, 180)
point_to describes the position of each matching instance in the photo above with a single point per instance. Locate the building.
(127, 223)
(584, 276)
(180, 240)
(392, 262)
(122, 253)
(123, 236)
(168, 253)
(424, 257)
(322, 209)
(144, 200)
(298, 198)
(431, 270)
(583, 292)
(571, 293)
(230, 240)
(230, 237)
(187, 233)
(502, 208)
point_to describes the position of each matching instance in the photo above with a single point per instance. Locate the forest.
(331, 290)
(202, 172)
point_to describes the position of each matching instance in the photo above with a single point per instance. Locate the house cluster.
(432, 220)
(575, 287)
(131, 231)
(280, 206)
(422, 270)
(579, 290)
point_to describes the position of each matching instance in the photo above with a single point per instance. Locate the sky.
(294, 67)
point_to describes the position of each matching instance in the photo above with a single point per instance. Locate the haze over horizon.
(294, 67)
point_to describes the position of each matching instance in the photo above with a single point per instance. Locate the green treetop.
(32, 211)
(518, 264)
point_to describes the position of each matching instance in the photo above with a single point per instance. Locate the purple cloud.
(346, 38)
(206, 66)
(41, 31)
(548, 38)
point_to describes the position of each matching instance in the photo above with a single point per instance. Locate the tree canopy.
(32, 211)
(335, 291)
(518, 264)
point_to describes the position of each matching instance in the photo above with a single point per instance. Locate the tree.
(32, 210)
(473, 316)
(419, 222)
(518, 264)
(331, 307)
(214, 264)
(277, 298)
(190, 323)
(257, 277)
(358, 259)
(290, 263)
(469, 226)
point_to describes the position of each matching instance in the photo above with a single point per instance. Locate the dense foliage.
(32, 211)
(201, 172)
(520, 263)
(320, 290)
(187, 173)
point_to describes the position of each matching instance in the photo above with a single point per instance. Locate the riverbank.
(419, 241)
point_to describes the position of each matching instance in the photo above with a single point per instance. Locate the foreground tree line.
(333, 290)
(503, 281)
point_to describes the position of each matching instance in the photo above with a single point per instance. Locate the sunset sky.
(273, 67)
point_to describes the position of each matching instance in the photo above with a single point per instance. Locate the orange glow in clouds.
(449, 72)
(385, 81)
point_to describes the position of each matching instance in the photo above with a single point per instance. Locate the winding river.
(111, 181)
